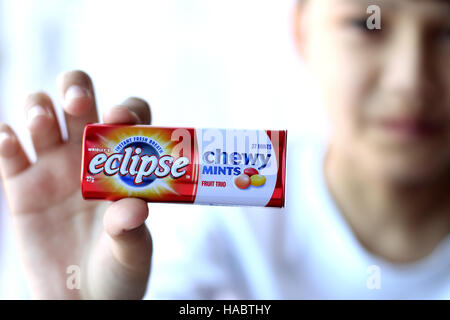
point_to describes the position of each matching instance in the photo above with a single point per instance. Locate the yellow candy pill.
(257, 180)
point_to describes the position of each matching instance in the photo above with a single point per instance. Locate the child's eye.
(360, 24)
(446, 33)
(442, 34)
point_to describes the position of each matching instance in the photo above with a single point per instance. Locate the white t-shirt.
(305, 250)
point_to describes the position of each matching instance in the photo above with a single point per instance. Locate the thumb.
(121, 263)
(124, 223)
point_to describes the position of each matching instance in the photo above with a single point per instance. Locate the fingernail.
(75, 92)
(138, 120)
(8, 147)
(4, 136)
(35, 112)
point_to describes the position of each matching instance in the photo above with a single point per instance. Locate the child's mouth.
(412, 128)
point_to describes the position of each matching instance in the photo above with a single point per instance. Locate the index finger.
(131, 111)
(78, 101)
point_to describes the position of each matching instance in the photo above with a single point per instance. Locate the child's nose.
(408, 67)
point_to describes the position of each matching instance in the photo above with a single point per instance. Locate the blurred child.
(367, 216)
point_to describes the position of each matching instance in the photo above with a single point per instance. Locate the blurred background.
(199, 63)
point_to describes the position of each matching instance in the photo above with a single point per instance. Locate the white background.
(199, 63)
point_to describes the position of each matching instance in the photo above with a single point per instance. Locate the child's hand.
(55, 227)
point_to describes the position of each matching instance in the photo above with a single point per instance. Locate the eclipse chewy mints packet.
(185, 165)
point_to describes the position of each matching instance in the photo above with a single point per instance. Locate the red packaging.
(186, 165)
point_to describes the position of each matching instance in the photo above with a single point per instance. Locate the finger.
(131, 111)
(42, 122)
(13, 159)
(79, 105)
(139, 107)
(131, 244)
(120, 115)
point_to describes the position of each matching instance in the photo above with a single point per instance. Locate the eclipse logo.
(132, 163)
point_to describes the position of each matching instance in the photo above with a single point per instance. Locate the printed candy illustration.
(250, 177)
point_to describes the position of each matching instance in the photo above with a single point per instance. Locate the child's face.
(388, 90)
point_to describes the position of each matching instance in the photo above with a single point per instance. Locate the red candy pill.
(251, 171)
